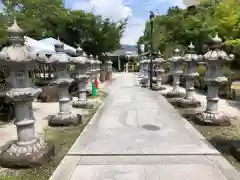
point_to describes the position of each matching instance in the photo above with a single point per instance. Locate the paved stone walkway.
(138, 135)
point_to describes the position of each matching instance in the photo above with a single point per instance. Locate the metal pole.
(151, 49)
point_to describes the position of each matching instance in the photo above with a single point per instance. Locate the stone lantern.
(159, 61)
(27, 150)
(81, 77)
(191, 59)
(214, 78)
(176, 93)
(60, 60)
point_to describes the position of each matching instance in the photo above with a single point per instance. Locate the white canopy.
(51, 41)
(37, 46)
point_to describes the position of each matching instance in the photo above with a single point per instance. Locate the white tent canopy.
(37, 46)
(51, 41)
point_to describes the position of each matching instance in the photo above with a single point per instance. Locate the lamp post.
(151, 17)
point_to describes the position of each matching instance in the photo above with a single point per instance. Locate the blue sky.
(136, 10)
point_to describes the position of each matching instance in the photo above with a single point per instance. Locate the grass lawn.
(221, 137)
(63, 138)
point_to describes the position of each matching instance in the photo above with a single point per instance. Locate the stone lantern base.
(174, 97)
(144, 82)
(158, 88)
(65, 119)
(15, 155)
(214, 119)
(189, 103)
(83, 105)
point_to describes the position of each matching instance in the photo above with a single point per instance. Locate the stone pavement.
(138, 135)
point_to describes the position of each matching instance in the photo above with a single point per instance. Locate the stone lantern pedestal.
(190, 75)
(159, 72)
(81, 77)
(27, 150)
(176, 94)
(215, 58)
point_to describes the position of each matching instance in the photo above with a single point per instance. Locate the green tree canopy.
(49, 18)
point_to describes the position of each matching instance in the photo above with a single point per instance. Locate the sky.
(136, 10)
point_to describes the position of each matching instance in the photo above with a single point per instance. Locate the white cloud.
(114, 9)
(133, 31)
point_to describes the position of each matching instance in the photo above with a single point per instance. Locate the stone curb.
(68, 164)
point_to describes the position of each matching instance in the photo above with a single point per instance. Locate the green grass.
(63, 138)
(100, 94)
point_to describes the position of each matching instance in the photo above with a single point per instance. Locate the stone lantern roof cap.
(176, 56)
(59, 46)
(78, 60)
(159, 58)
(17, 52)
(215, 52)
(191, 54)
(15, 28)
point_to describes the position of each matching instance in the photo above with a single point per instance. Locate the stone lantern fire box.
(27, 150)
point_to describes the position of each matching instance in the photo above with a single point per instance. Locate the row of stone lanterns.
(214, 58)
(19, 62)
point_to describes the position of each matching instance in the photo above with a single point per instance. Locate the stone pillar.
(140, 69)
(98, 70)
(60, 60)
(103, 72)
(109, 70)
(175, 94)
(27, 150)
(81, 77)
(191, 59)
(215, 59)
(159, 72)
(145, 69)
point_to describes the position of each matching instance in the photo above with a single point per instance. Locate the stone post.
(88, 72)
(141, 69)
(103, 72)
(191, 59)
(159, 61)
(60, 60)
(93, 68)
(27, 150)
(145, 69)
(81, 77)
(215, 59)
(98, 70)
(109, 69)
(175, 94)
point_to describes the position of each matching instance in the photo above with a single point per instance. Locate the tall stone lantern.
(81, 77)
(159, 61)
(27, 150)
(60, 60)
(215, 59)
(191, 59)
(176, 93)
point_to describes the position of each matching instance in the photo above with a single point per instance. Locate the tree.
(49, 18)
